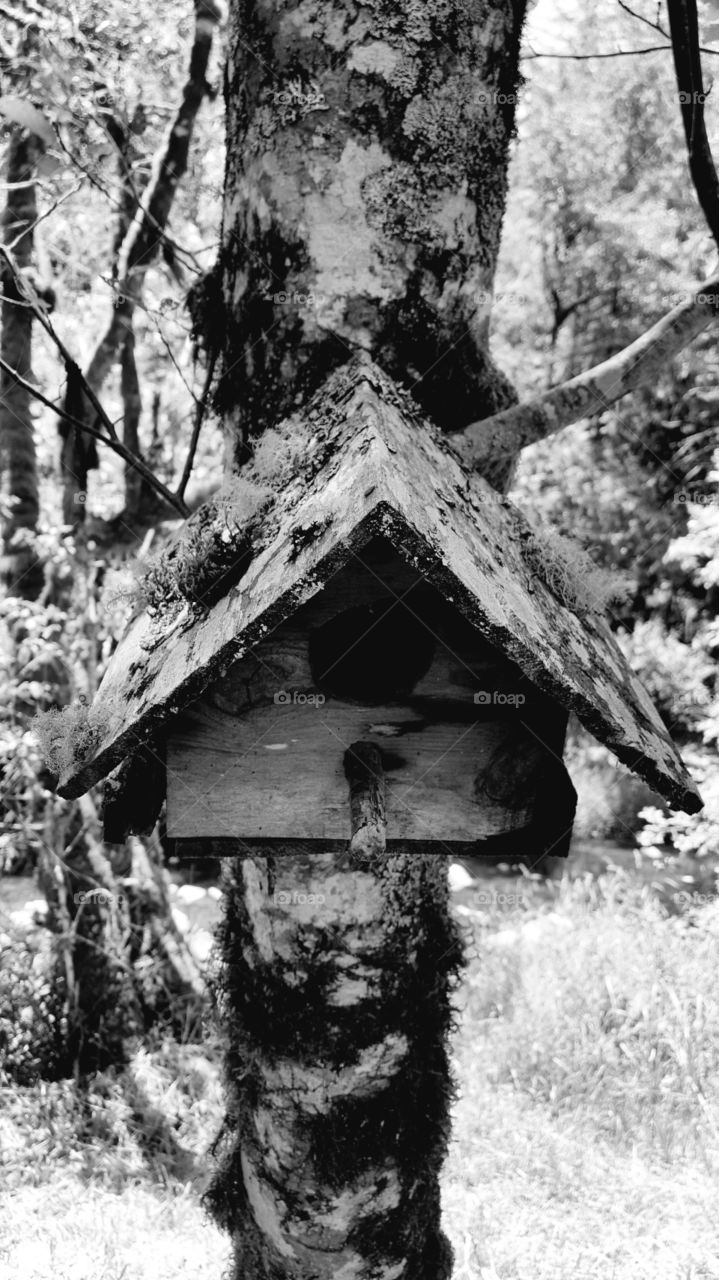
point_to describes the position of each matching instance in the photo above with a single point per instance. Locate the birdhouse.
(392, 665)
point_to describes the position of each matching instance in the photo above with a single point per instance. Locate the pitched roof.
(376, 467)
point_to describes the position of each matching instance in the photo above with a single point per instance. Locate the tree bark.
(365, 187)
(22, 571)
(366, 175)
(139, 497)
(335, 997)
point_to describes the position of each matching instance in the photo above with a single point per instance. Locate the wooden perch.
(492, 444)
(363, 766)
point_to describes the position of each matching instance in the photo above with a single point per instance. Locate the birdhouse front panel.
(377, 656)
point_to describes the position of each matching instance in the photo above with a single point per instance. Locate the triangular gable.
(385, 471)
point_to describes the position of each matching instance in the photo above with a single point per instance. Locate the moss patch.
(280, 1011)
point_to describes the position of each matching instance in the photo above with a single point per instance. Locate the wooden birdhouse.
(391, 665)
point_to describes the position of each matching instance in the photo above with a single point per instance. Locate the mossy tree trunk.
(365, 189)
(335, 996)
(367, 151)
(22, 571)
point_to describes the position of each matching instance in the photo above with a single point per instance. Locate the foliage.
(667, 837)
(610, 799)
(602, 236)
(696, 553)
(33, 1013)
(678, 676)
(52, 652)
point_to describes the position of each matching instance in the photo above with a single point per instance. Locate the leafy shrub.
(609, 798)
(33, 1022)
(679, 677)
(666, 837)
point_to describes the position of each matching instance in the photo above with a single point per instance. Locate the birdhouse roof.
(373, 466)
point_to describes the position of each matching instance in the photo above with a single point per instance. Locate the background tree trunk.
(367, 152)
(22, 571)
(142, 230)
(126, 964)
(139, 498)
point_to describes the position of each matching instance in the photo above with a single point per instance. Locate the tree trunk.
(139, 498)
(364, 193)
(127, 966)
(22, 571)
(367, 152)
(141, 232)
(335, 997)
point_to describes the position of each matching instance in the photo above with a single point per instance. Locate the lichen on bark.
(365, 188)
(335, 994)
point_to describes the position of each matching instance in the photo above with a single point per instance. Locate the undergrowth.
(604, 1013)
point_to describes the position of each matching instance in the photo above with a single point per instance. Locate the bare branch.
(145, 232)
(587, 57)
(113, 443)
(199, 418)
(25, 287)
(655, 26)
(684, 27)
(491, 444)
(147, 227)
(73, 371)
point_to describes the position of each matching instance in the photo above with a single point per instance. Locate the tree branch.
(199, 418)
(143, 237)
(491, 444)
(617, 53)
(147, 228)
(112, 442)
(684, 28)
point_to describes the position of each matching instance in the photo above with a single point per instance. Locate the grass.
(106, 1185)
(586, 1129)
(586, 1132)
